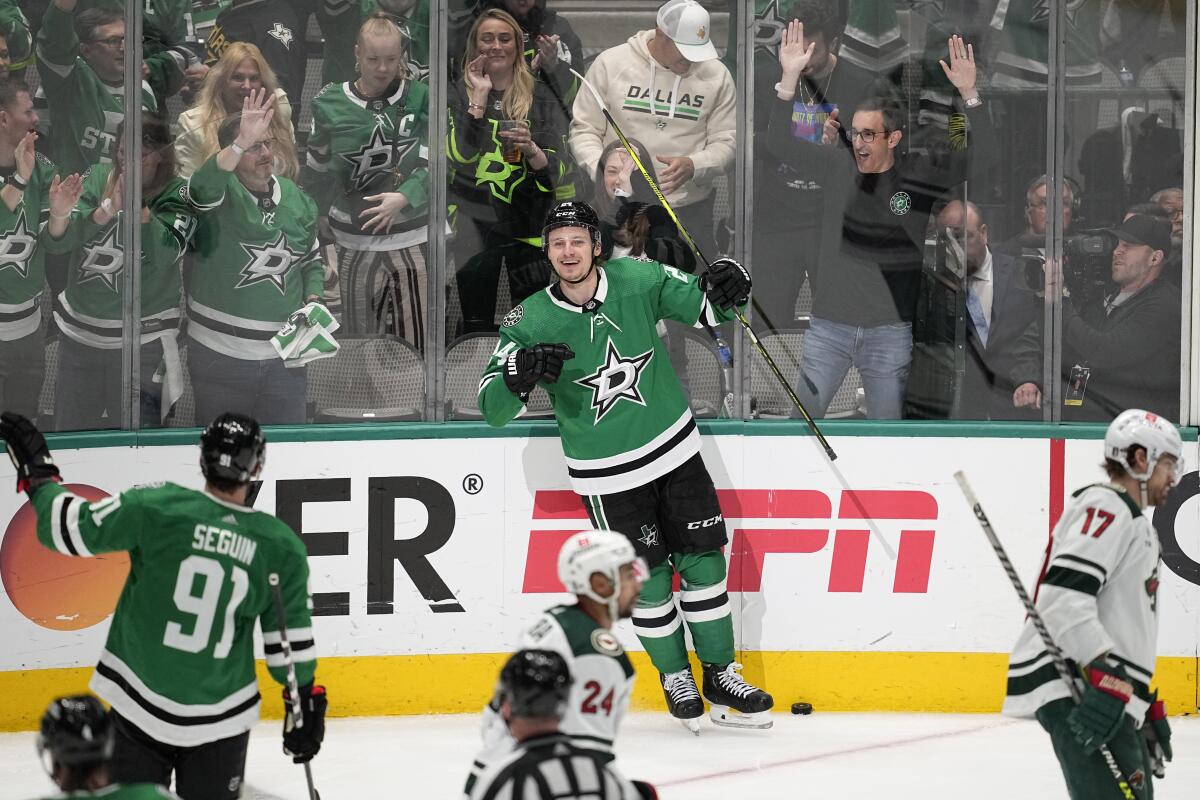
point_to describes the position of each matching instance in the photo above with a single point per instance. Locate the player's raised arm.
(66, 523)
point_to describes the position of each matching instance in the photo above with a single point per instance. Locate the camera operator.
(1122, 350)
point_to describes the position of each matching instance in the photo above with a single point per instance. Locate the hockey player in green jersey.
(1098, 599)
(605, 574)
(89, 311)
(28, 178)
(368, 165)
(83, 77)
(256, 264)
(178, 665)
(631, 444)
(75, 743)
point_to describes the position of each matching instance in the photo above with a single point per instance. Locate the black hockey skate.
(734, 702)
(683, 698)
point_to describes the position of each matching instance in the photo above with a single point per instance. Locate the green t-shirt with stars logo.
(622, 415)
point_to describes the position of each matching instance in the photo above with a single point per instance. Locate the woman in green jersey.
(368, 167)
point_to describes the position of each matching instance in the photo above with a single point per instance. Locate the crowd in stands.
(899, 217)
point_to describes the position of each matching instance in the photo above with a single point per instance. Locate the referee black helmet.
(535, 684)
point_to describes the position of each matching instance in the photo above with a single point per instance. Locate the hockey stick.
(1056, 655)
(293, 688)
(741, 318)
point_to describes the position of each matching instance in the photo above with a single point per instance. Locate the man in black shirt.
(787, 204)
(873, 218)
(1123, 352)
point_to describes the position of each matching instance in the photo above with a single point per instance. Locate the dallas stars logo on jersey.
(769, 25)
(615, 380)
(104, 261)
(268, 262)
(379, 154)
(17, 247)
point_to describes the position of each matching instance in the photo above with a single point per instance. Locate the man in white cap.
(666, 89)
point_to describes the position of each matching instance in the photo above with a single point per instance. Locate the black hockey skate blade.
(802, 708)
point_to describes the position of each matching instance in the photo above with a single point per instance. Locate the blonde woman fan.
(240, 71)
(367, 168)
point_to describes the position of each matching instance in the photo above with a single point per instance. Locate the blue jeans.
(266, 390)
(882, 354)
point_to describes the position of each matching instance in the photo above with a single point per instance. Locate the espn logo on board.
(850, 532)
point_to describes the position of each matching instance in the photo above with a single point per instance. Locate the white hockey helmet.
(1144, 428)
(589, 552)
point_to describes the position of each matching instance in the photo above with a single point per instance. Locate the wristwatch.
(974, 102)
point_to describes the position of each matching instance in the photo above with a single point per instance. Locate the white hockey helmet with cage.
(589, 552)
(1157, 435)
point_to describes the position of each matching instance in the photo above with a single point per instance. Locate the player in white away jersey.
(1097, 597)
(604, 573)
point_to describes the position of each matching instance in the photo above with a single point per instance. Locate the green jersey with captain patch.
(179, 659)
(622, 415)
(361, 147)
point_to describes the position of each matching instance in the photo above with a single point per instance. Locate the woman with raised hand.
(240, 71)
(367, 168)
(89, 311)
(503, 143)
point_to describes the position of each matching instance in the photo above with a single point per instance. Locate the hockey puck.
(801, 708)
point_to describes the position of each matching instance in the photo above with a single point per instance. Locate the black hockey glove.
(726, 282)
(1101, 710)
(28, 451)
(304, 742)
(527, 366)
(1158, 737)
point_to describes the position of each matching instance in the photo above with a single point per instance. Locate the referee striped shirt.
(550, 767)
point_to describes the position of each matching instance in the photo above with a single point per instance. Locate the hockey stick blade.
(1060, 662)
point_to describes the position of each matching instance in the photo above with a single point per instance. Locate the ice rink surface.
(827, 755)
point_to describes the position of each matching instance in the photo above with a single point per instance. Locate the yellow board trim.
(455, 684)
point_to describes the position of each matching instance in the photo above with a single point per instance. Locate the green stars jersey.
(1098, 596)
(117, 791)
(621, 412)
(90, 309)
(22, 272)
(360, 147)
(1023, 33)
(179, 659)
(86, 111)
(256, 260)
